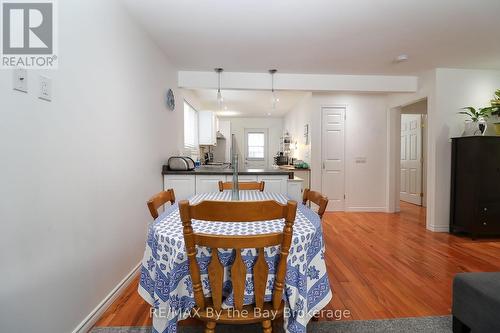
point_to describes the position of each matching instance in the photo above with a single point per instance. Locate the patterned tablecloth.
(166, 284)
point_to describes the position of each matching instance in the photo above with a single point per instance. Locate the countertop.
(228, 171)
(292, 168)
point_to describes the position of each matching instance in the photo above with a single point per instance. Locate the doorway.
(333, 156)
(413, 153)
(256, 148)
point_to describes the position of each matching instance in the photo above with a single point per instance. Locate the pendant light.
(220, 100)
(275, 99)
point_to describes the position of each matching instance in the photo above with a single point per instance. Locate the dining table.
(165, 281)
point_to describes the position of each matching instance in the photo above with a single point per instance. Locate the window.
(190, 130)
(256, 144)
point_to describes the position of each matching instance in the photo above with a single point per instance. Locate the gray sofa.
(476, 302)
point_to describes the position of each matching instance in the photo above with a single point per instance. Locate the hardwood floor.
(380, 266)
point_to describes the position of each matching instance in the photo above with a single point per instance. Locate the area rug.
(417, 324)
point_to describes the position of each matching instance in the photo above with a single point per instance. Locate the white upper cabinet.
(207, 124)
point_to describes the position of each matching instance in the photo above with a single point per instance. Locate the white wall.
(426, 90)
(455, 88)
(275, 130)
(447, 90)
(365, 136)
(301, 82)
(76, 172)
(294, 123)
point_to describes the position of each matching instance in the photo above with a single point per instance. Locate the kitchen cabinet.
(294, 189)
(207, 128)
(208, 183)
(274, 183)
(243, 178)
(183, 185)
(304, 175)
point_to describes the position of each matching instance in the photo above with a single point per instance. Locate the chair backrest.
(317, 198)
(242, 186)
(159, 200)
(238, 211)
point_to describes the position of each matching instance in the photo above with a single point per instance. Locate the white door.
(411, 158)
(332, 143)
(256, 148)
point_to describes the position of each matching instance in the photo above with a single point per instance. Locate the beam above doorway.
(302, 82)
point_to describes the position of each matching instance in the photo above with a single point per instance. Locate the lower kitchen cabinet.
(305, 175)
(184, 185)
(208, 183)
(294, 189)
(274, 183)
(243, 178)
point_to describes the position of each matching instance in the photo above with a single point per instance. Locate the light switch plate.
(20, 80)
(45, 88)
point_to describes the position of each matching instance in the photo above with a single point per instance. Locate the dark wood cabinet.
(475, 185)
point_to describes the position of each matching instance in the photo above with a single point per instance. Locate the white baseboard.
(99, 310)
(438, 228)
(366, 209)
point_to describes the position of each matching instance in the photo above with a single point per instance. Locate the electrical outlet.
(45, 87)
(20, 80)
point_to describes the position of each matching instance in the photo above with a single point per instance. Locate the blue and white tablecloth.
(166, 284)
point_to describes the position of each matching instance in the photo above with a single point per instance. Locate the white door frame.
(335, 106)
(394, 158)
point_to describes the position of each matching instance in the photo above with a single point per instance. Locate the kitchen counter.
(292, 168)
(227, 171)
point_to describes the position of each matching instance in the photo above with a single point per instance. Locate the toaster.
(180, 163)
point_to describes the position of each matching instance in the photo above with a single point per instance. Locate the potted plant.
(477, 118)
(494, 110)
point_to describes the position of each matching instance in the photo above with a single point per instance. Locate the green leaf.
(470, 108)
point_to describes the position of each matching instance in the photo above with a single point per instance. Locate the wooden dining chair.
(159, 200)
(242, 186)
(209, 309)
(317, 198)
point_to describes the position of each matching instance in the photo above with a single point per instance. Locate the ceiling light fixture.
(220, 100)
(401, 58)
(275, 98)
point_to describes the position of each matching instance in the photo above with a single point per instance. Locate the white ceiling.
(324, 36)
(248, 103)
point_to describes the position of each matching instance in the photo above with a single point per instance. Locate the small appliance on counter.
(208, 157)
(181, 163)
(281, 159)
